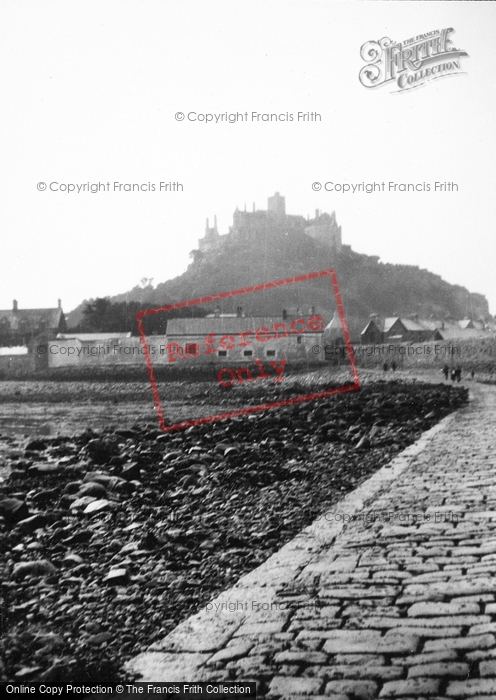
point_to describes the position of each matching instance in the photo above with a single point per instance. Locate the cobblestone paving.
(398, 603)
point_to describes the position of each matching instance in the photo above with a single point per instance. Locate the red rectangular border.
(262, 407)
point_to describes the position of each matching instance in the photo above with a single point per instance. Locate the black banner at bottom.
(181, 691)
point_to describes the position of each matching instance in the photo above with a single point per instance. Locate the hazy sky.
(89, 94)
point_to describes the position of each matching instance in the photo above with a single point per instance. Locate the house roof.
(33, 317)
(376, 322)
(222, 325)
(334, 327)
(389, 322)
(413, 325)
(92, 336)
(17, 350)
(385, 325)
(429, 325)
(460, 333)
(223, 316)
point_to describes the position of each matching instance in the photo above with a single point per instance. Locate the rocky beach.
(111, 537)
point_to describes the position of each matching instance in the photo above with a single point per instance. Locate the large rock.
(34, 522)
(102, 451)
(13, 510)
(39, 568)
(116, 577)
(97, 506)
(92, 488)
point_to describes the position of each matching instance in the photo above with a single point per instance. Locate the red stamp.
(220, 342)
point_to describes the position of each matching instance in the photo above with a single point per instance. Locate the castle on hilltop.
(256, 224)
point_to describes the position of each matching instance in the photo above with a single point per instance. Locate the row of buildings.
(294, 335)
(217, 339)
(394, 329)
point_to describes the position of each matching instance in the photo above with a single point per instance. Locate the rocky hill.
(367, 285)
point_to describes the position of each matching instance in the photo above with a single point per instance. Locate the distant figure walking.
(458, 373)
(393, 366)
(446, 371)
(385, 366)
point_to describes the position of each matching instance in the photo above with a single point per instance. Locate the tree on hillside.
(96, 315)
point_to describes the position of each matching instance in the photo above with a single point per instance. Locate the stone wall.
(124, 351)
(12, 366)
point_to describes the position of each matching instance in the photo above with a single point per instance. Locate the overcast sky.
(89, 94)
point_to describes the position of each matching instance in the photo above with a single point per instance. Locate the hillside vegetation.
(367, 285)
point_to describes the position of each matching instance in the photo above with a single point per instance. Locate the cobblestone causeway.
(403, 606)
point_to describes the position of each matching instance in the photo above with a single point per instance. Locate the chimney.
(59, 304)
(217, 312)
(239, 311)
(14, 305)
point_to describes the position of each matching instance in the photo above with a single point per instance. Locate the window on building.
(271, 353)
(222, 353)
(192, 349)
(248, 353)
(299, 340)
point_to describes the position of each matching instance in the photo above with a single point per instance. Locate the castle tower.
(276, 206)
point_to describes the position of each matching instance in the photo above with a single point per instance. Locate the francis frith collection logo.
(411, 63)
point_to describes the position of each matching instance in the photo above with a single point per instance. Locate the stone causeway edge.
(181, 656)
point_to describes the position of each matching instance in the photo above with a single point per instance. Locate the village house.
(465, 329)
(399, 330)
(20, 326)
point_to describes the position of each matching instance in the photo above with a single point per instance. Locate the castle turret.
(211, 238)
(324, 228)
